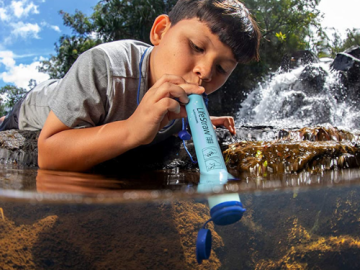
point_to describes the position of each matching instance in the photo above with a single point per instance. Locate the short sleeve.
(80, 99)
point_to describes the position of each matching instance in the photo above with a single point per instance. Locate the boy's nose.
(204, 74)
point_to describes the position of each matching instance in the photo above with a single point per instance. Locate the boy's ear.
(161, 25)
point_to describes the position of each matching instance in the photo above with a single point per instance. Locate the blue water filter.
(207, 149)
(225, 209)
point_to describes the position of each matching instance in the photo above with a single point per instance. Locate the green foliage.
(331, 46)
(281, 36)
(13, 94)
(287, 26)
(352, 38)
(122, 19)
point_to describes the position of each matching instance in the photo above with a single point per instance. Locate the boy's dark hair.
(230, 20)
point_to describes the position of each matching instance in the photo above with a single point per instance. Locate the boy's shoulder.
(124, 48)
(123, 53)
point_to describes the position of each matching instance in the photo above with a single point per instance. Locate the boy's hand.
(226, 121)
(158, 107)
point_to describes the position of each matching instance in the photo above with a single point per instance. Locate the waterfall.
(309, 95)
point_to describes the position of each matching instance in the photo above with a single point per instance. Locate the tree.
(352, 39)
(287, 26)
(123, 19)
(332, 46)
(10, 94)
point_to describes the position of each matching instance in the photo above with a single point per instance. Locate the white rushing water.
(306, 96)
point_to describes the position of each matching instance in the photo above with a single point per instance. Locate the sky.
(29, 29)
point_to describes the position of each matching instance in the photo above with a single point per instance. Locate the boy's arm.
(64, 148)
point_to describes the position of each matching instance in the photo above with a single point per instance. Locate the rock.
(344, 61)
(348, 64)
(312, 80)
(310, 149)
(19, 147)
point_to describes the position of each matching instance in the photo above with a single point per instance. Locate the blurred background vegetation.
(287, 26)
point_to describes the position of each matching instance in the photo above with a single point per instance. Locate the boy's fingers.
(177, 91)
(230, 125)
(170, 79)
(169, 109)
(192, 88)
(227, 122)
(168, 105)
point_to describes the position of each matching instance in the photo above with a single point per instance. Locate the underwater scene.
(56, 220)
(281, 193)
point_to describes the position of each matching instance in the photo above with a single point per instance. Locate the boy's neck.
(151, 80)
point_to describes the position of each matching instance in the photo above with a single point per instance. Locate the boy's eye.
(196, 48)
(220, 69)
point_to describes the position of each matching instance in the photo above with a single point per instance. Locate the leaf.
(281, 36)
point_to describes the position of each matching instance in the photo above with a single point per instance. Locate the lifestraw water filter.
(225, 209)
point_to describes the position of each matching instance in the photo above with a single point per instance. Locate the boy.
(121, 95)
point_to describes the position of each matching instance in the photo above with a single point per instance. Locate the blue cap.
(184, 135)
(203, 245)
(227, 212)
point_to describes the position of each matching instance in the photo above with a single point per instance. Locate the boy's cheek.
(211, 88)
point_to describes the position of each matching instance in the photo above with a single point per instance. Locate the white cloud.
(17, 10)
(7, 58)
(23, 9)
(19, 75)
(4, 15)
(39, 58)
(15, 24)
(54, 27)
(25, 30)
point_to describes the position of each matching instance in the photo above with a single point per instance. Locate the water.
(57, 220)
(309, 95)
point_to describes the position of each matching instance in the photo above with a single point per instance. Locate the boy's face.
(189, 50)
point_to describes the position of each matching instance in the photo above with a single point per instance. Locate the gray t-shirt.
(101, 87)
